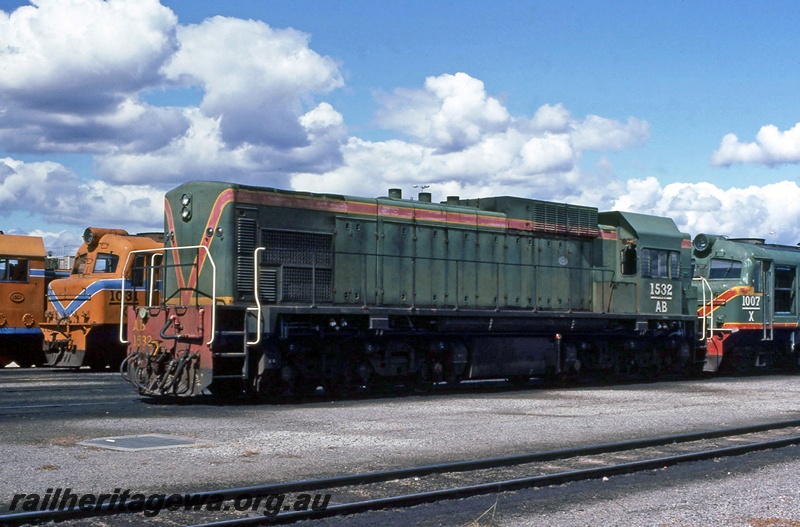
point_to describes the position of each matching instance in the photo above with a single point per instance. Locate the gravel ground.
(755, 490)
(251, 444)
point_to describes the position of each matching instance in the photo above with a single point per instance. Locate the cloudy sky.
(686, 109)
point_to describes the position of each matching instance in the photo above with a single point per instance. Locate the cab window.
(784, 289)
(13, 270)
(629, 261)
(79, 266)
(721, 268)
(659, 263)
(106, 263)
(757, 277)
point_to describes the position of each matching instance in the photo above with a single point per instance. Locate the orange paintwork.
(89, 300)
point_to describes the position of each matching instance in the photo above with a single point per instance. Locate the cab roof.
(657, 232)
(25, 246)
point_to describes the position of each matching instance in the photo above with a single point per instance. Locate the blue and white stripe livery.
(112, 284)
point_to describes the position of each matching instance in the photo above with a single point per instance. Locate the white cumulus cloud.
(72, 71)
(451, 112)
(57, 194)
(771, 147)
(461, 139)
(77, 75)
(770, 211)
(253, 75)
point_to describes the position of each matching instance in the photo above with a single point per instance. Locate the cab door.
(764, 282)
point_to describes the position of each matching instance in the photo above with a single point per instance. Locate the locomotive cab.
(648, 276)
(652, 264)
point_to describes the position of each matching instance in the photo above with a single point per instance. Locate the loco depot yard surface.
(51, 422)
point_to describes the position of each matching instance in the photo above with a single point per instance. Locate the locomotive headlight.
(702, 242)
(186, 204)
(88, 236)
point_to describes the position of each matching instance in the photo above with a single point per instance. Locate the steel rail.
(442, 468)
(410, 500)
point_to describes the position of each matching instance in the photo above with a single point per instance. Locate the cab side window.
(79, 266)
(722, 268)
(13, 270)
(106, 263)
(658, 263)
(784, 289)
(628, 260)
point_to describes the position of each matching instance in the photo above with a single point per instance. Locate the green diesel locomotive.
(748, 305)
(265, 291)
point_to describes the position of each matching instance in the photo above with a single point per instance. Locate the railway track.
(44, 391)
(401, 488)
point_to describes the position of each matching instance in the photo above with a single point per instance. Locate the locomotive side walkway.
(45, 416)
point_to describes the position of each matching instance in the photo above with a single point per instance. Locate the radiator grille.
(268, 285)
(246, 235)
(244, 276)
(565, 219)
(245, 246)
(582, 221)
(297, 248)
(305, 261)
(302, 284)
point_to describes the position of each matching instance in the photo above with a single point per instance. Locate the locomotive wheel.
(739, 361)
(340, 384)
(31, 358)
(339, 379)
(453, 380)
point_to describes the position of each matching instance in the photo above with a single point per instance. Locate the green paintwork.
(389, 252)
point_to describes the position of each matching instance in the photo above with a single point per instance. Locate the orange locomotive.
(81, 325)
(22, 290)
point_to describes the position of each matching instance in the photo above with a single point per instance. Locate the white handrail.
(154, 252)
(162, 252)
(153, 276)
(710, 316)
(258, 299)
